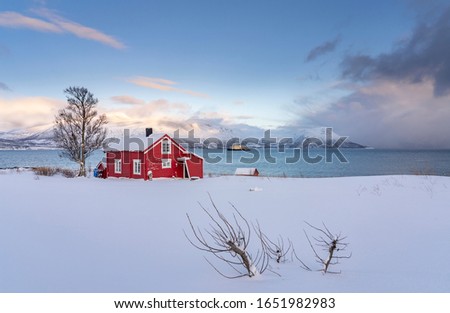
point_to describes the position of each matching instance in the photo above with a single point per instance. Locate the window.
(118, 166)
(165, 147)
(166, 163)
(137, 167)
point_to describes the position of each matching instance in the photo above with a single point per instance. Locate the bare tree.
(79, 130)
(332, 244)
(229, 241)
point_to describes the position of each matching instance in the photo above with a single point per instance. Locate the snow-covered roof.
(246, 171)
(126, 142)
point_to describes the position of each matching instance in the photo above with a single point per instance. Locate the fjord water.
(271, 162)
(358, 162)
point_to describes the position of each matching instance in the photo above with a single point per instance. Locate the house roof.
(131, 143)
(101, 163)
(246, 171)
(139, 143)
(164, 136)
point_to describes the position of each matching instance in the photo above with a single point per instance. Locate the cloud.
(166, 116)
(146, 114)
(162, 115)
(17, 20)
(31, 111)
(150, 107)
(4, 87)
(397, 99)
(56, 24)
(324, 48)
(388, 114)
(27, 112)
(79, 30)
(421, 57)
(154, 83)
(127, 100)
(163, 85)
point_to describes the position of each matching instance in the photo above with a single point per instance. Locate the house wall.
(127, 158)
(195, 166)
(154, 156)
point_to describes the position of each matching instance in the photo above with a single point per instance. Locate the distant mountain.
(28, 138)
(322, 137)
(42, 137)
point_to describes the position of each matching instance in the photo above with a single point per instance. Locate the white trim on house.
(137, 167)
(166, 163)
(174, 143)
(118, 166)
(186, 170)
(166, 146)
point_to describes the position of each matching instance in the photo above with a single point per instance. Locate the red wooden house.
(163, 157)
(100, 170)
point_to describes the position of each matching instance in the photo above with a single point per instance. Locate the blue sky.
(361, 67)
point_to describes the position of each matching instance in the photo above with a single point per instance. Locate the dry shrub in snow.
(67, 173)
(228, 240)
(44, 171)
(51, 171)
(333, 245)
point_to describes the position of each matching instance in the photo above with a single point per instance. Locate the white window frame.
(166, 143)
(137, 167)
(166, 163)
(117, 166)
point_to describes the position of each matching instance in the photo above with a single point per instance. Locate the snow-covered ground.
(117, 235)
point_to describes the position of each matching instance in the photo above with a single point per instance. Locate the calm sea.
(271, 162)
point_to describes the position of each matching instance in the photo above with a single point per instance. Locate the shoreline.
(215, 175)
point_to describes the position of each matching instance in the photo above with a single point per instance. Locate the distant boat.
(238, 147)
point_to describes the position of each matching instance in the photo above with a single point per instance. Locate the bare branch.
(275, 250)
(304, 266)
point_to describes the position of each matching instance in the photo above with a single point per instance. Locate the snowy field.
(116, 235)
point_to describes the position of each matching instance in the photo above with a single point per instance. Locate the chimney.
(148, 132)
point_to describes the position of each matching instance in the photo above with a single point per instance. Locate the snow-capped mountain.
(321, 137)
(42, 137)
